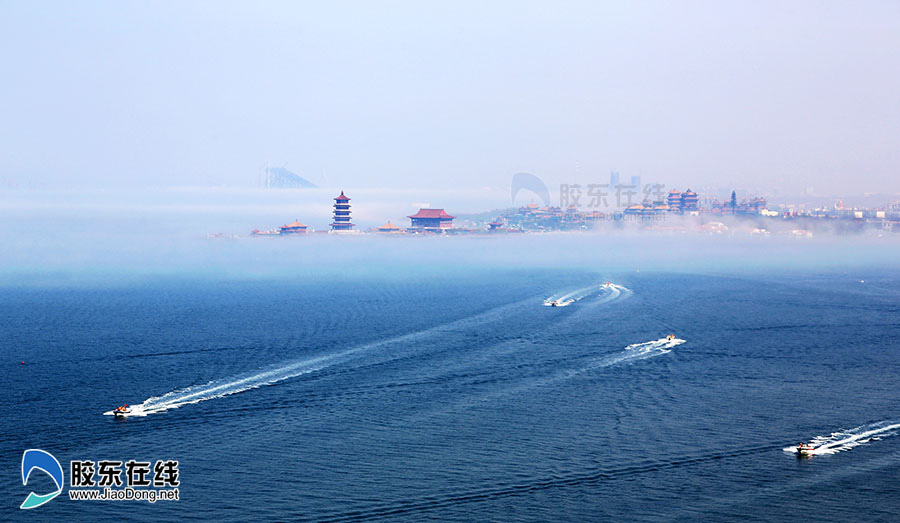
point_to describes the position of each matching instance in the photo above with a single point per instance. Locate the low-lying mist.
(97, 238)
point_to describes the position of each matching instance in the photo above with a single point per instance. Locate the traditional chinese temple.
(432, 220)
(682, 201)
(389, 228)
(341, 221)
(673, 200)
(690, 201)
(293, 228)
(572, 214)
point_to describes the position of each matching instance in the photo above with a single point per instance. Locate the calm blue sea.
(464, 397)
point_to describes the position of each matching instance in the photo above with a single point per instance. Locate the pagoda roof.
(432, 213)
(293, 225)
(342, 197)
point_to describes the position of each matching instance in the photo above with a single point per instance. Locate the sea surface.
(463, 396)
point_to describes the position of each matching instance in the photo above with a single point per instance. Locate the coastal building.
(530, 209)
(682, 202)
(389, 228)
(572, 214)
(673, 200)
(634, 210)
(754, 206)
(293, 228)
(341, 220)
(690, 201)
(660, 208)
(431, 220)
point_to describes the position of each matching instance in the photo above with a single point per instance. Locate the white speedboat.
(123, 411)
(805, 449)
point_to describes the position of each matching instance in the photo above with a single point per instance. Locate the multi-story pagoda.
(341, 220)
(674, 201)
(690, 201)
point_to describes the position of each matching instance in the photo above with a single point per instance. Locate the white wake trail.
(221, 388)
(640, 351)
(608, 292)
(848, 439)
(633, 352)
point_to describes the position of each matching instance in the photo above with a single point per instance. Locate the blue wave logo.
(45, 462)
(531, 183)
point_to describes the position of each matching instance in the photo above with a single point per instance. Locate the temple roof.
(342, 197)
(293, 225)
(432, 213)
(388, 227)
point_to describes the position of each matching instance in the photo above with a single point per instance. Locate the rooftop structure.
(389, 228)
(293, 228)
(674, 200)
(432, 220)
(690, 201)
(634, 210)
(680, 202)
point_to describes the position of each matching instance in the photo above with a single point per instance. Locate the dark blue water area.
(464, 397)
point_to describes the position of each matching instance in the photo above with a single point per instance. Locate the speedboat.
(670, 337)
(805, 449)
(554, 303)
(121, 412)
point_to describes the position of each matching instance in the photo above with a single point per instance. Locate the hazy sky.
(787, 95)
